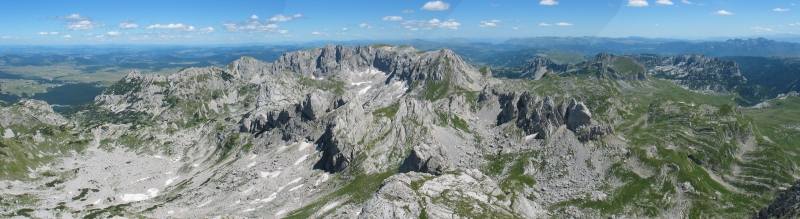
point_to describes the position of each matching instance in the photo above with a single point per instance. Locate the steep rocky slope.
(379, 131)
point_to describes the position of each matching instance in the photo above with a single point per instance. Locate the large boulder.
(425, 159)
(578, 116)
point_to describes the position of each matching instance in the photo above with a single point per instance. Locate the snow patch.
(169, 181)
(767, 138)
(296, 187)
(303, 158)
(360, 83)
(8, 133)
(321, 179)
(295, 181)
(152, 192)
(269, 174)
(529, 137)
(204, 204)
(140, 197)
(271, 197)
(281, 212)
(251, 164)
(281, 149)
(253, 157)
(303, 145)
(213, 106)
(363, 91)
(330, 206)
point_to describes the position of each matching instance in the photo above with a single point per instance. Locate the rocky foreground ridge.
(377, 132)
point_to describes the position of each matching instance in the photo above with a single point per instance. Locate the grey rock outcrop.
(336, 154)
(785, 205)
(539, 116)
(315, 104)
(608, 66)
(394, 199)
(539, 66)
(595, 132)
(578, 116)
(695, 72)
(542, 116)
(439, 197)
(425, 159)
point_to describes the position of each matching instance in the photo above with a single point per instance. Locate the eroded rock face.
(441, 194)
(595, 132)
(315, 104)
(425, 159)
(542, 116)
(578, 116)
(539, 66)
(394, 199)
(694, 72)
(336, 155)
(539, 116)
(785, 205)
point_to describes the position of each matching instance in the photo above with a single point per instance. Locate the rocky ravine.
(335, 132)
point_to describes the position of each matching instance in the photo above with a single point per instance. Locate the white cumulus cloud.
(781, 9)
(436, 6)
(128, 25)
(545, 24)
(42, 33)
(723, 12)
(664, 2)
(316, 33)
(491, 23)
(563, 24)
(83, 25)
(177, 26)
(761, 29)
(207, 30)
(114, 33)
(431, 24)
(283, 31)
(281, 18)
(408, 11)
(253, 25)
(637, 3)
(548, 2)
(364, 25)
(254, 17)
(392, 18)
(79, 22)
(67, 36)
(686, 2)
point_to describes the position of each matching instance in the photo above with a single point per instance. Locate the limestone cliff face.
(541, 116)
(695, 72)
(785, 205)
(256, 138)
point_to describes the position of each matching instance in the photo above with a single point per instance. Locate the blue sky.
(79, 22)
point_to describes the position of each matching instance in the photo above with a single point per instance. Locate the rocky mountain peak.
(605, 58)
